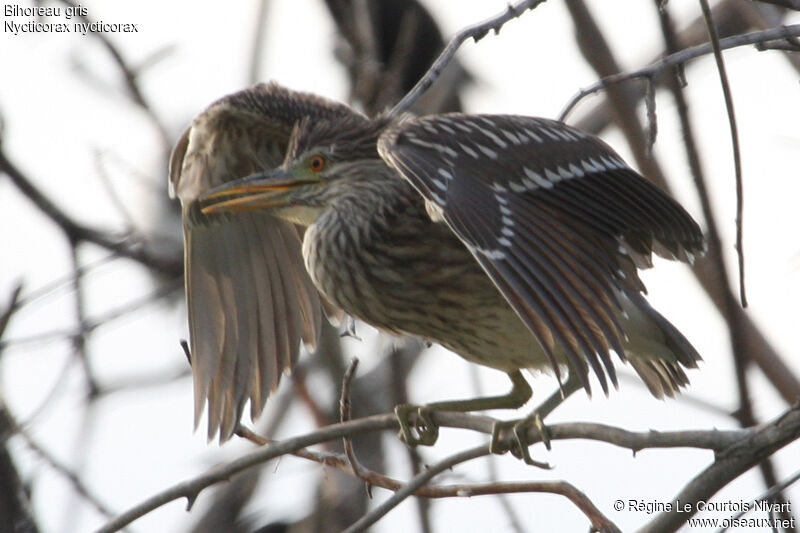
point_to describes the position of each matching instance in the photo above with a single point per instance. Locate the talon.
(427, 431)
(520, 451)
(522, 442)
(495, 446)
(543, 431)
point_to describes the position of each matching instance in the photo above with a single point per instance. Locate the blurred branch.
(756, 345)
(735, 447)
(9, 427)
(75, 231)
(89, 325)
(15, 506)
(256, 56)
(732, 17)
(729, 464)
(476, 33)
(415, 483)
(621, 97)
(768, 495)
(681, 57)
(12, 305)
(737, 156)
(79, 339)
(731, 311)
(130, 75)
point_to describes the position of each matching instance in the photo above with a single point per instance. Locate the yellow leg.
(427, 431)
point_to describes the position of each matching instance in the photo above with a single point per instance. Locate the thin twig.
(737, 156)
(169, 266)
(72, 478)
(728, 306)
(727, 466)
(416, 482)
(475, 32)
(79, 339)
(92, 324)
(130, 75)
(256, 56)
(344, 416)
(12, 305)
(768, 495)
(786, 427)
(681, 57)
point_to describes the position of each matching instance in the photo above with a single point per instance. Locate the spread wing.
(553, 215)
(250, 300)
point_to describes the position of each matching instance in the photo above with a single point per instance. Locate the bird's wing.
(250, 299)
(553, 215)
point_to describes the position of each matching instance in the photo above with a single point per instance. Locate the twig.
(169, 266)
(53, 286)
(728, 465)
(599, 521)
(475, 32)
(737, 156)
(190, 489)
(12, 305)
(416, 482)
(621, 98)
(344, 416)
(786, 427)
(111, 192)
(515, 523)
(91, 324)
(131, 82)
(79, 339)
(728, 305)
(776, 489)
(74, 480)
(256, 55)
(681, 57)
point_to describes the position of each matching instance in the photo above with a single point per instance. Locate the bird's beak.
(257, 191)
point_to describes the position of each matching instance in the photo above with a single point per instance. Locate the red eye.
(316, 163)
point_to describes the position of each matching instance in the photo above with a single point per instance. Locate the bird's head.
(325, 161)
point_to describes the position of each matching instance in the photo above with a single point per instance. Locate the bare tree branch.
(476, 32)
(681, 57)
(785, 429)
(75, 231)
(728, 465)
(737, 156)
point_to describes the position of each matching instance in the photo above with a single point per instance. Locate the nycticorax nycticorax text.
(513, 241)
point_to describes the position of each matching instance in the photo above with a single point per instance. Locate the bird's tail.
(655, 348)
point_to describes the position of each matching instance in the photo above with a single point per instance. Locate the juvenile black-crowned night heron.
(512, 241)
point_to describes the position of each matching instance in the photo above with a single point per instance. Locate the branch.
(476, 32)
(728, 465)
(788, 428)
(130, 76)
(737, 156)
(416, 482)
(169, 266)
(679, 58)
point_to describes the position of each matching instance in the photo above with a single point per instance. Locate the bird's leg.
(427, 430)
(535, 419)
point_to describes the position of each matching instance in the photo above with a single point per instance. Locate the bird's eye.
(316, 163)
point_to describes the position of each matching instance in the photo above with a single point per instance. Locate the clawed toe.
(427, 432)
(519, 427)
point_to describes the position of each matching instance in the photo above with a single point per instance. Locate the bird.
(512, 241)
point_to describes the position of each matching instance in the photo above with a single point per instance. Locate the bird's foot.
(520, 427)
(424, 432)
